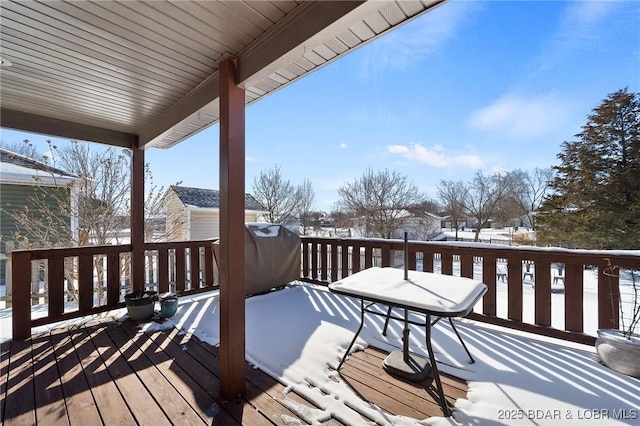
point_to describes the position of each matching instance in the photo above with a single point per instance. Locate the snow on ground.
(299, 334)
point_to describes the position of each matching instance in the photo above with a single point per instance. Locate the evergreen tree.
(595, 201)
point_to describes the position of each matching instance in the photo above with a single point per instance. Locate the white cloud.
(436, 156)
(522, 118)
(580, 28)
(409, 44)
(343, 145)
(247, 158)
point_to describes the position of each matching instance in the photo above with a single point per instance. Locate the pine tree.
(595, 201)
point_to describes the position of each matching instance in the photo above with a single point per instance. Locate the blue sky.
(490, 85)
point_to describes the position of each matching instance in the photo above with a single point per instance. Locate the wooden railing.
(328, 259)
(75, 282)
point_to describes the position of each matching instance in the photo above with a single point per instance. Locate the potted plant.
(168, 305)
(140, 304)
(619, 349)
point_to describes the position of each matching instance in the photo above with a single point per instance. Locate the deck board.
(87, 382)
(107, 372)
(49, 400)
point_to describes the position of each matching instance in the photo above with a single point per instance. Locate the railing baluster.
(542, 295)
(85, 282)
(56, 286)
(163, 269)
(334, 261)
(181, 272)
(427, 261)
(573, 297)
(355, 258)
(466, 265)
(368, 256)
(305, 260)
(344, 255)
(113, 278)
(413, 265)
(324, 258)
(514, 288)
(446, 263)
(314, 261)
(194, 252)
(489, 278)
(209, 278)
(608, 296)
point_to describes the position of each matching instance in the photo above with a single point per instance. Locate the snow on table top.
(424, 291)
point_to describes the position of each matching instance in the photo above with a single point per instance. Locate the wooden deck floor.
(109, 373)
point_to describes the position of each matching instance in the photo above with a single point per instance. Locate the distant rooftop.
(17, 169)
(210, 198)
(9, 157)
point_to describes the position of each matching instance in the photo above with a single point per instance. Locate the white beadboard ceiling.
(110, 71)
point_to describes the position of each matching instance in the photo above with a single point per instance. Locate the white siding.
(204, 225)
(177, 218)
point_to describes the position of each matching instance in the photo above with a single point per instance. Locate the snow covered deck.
(296, 337)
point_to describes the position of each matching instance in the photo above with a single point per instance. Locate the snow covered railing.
(79, 281)
(550, 291)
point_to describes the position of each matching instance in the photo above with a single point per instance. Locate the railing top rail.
(48, 253)
(56, 252)
(526, 252)
(175, 244)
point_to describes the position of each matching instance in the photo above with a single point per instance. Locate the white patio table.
(427, 293)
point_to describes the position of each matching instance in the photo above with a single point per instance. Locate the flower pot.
(140, 304)
(619, 353)
(168, 306)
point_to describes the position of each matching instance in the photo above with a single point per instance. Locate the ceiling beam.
(305, 22)
(205, 93)
(272, 50)
(32, 123)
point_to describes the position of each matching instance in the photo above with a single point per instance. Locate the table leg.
(461, 341)
(405, 337)
(386, 322)
(346, 354)
(434, 368)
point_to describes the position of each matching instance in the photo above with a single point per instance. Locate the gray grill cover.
(272, 257)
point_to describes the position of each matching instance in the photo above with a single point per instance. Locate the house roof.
(209, 198)
(145, 73)
(21, 170)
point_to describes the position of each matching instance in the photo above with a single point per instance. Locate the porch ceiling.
(107, 71)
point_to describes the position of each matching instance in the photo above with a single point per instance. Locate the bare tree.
(93, 210)
(451, 195)
(380, 199)
(483, 196)
(304, 210)
(277, 195)
(531, 189)
(25, 148)
(509, 211)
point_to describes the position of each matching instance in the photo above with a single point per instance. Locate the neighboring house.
(20, 178)
(422, 228)
(194, 213)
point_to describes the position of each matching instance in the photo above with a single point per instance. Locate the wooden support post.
(137, 217)
(21, 267)
(232, 264)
